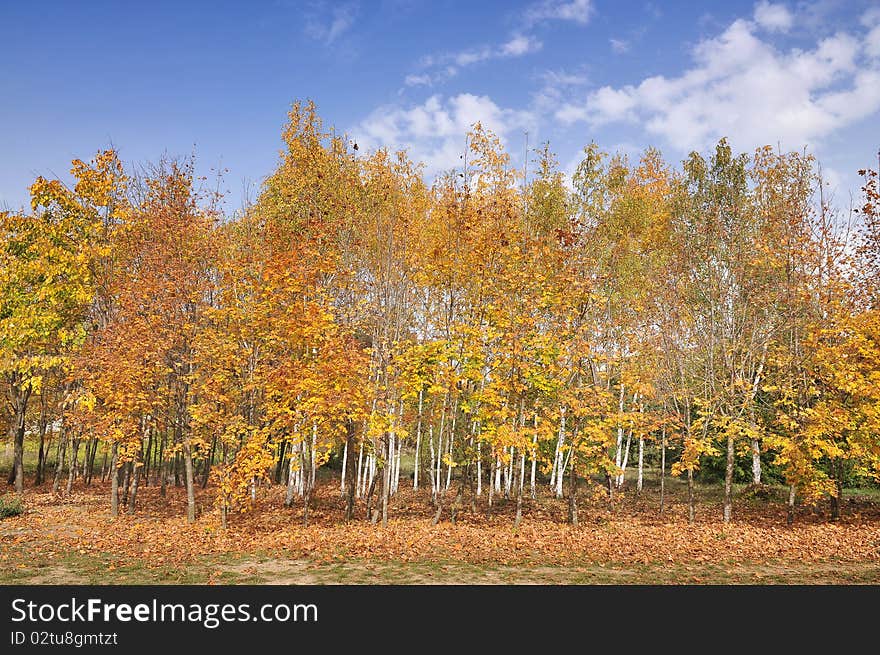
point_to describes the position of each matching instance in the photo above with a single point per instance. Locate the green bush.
(10, 506)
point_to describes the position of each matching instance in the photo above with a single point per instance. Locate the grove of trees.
(510, 334)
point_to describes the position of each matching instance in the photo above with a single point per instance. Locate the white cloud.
(557, 85)
(434, 131)
(619, 46)
(447, 65)
(577, 11)
(329, 28)
(773, 17)
(742, 87)
(417, 80)
(519, 45)
(871, 19)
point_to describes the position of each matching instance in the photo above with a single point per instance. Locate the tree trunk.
(728, 481)
(662, 469)
(59, 460)
(789, 519)
(756, 461)
(72, 466)
(91, 451)
(161, 467)
(433, 464)
(291, 480)
(479, 491)
(19, 405)
(641, 464)
(558, 463)
(533, 492)
(837, 497)
(41, 456)
(621, 478)
(690, 496)
(190, 487)
(418, 444)
(350, 489)
(519, 489)
(114, 481)
(126, 482)
(572, 496)
(135, 478)
(386, 478)
(207, 472)
(147, 458)
(344, 468)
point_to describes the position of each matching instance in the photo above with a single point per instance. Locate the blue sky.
(217, 78)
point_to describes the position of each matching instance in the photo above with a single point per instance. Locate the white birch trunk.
(359, 479)
(418, 445)
(397, 468)
(622, 477)
(312, 455)
(522, 471)
(618, 453)
(479, 470)
(558, 467)
(344, 463)
(451, 441)
(756, 461)
(641, 463)
(532, 492)
(433, 457)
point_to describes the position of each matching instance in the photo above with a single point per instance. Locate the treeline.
(509, 329)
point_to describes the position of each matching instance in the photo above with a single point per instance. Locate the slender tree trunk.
(161, 467)
(91, 451)
(20, 400)
(756, 461)
(147, 457)
(519, 489)
(135, 479)
(492, 466)
(451, 442)
(126, 481)
(618, 453)
(114, 480)
(662, 469)
(556, 476)
(291, 480)
(418, 444)
(789, 519)
(690, 496)
(313, 456)
(358, 482)
(41, 456)
(728, 481)
(572, 496)
(386, 478)
(72, 466)
(533, 492)
(479, 467)
(433, 464)
(641, 464)
(190, 486)
(59, 460)
(344, 468)
(621, 478)
(350, 489)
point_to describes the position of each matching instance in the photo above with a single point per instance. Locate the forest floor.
(72, 539)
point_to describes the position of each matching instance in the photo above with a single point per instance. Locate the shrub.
(10, 506)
